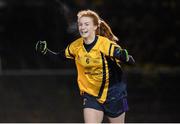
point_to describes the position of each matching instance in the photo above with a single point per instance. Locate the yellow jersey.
(95, 66)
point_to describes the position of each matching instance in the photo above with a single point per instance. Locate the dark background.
(34, 88)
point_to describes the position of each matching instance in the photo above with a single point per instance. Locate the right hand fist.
(41, 46)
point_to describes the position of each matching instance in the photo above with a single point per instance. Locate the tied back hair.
(103, 29)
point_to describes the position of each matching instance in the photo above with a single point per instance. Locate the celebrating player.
(98, 59)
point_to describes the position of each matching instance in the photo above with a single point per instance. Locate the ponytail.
(105, 30)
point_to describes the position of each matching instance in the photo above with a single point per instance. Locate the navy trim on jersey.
(104, 77)
(110, 49)
(88, 47)
(115, 80)
(115, 72)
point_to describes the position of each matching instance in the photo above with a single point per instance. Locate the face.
(86, 27)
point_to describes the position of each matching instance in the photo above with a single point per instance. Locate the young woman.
(98, 60)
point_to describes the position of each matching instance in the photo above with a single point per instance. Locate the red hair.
(103, 28)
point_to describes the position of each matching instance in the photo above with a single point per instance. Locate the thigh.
(116, 107)
(92, 109)
(92, 115)
(119, 119)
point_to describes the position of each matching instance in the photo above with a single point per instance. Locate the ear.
(95, 27)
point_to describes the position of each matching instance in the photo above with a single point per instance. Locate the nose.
(82, 27)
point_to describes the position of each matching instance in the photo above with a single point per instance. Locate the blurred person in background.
(98, 60)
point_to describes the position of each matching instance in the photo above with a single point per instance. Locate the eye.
(79, 24)
(86, 24)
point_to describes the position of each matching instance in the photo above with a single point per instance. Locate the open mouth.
(84, 32)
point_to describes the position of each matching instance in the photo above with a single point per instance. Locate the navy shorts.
(112, 107)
